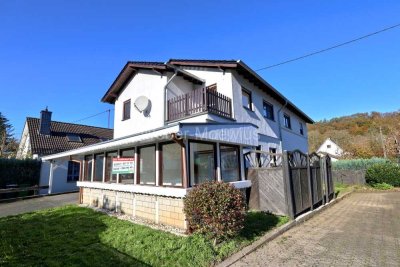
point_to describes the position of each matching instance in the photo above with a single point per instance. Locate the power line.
(330, 48)
(94, 115)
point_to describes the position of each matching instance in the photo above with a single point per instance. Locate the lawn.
(76, 236)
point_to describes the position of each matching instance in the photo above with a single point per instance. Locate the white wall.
(334, 149)
(60, 171)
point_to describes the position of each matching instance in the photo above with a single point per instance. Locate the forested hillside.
(359, 134)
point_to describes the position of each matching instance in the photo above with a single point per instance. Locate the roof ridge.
(71, 123)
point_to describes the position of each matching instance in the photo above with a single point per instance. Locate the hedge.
(15, 171)
(357, 164)
(388, 173)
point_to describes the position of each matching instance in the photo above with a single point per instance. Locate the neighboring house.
(43, 137)
(178, 124)
(330, 148)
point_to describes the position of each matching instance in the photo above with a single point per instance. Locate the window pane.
(110, 177)
(172, 164)
(268, 111)
(148, 165)
(245, 99)
(127, 110)
(202, 165)
(88, 168)
(98, 170)
(73, 171)
(229, 163)
(129, 177)
(287, 121)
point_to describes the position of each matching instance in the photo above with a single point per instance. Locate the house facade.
(178, 124)
(330, 148)
(42, 137)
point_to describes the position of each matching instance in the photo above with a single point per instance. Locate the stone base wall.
(155, 209)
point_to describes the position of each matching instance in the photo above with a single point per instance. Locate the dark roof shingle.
(57, 142)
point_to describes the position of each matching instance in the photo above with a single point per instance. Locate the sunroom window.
(127, 178)
(110, 177)
(98, 167)
(171, 164)
(202, 162)
(230, 171)
(147, 165)
(88, 168)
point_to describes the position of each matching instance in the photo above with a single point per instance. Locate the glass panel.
(229, 163)
(127, 110)
(268, 111)
(73, 171)
(148, 165)
(128, 178)
(98, 169)
(202, 162)
(171, 164)
(245, 99)
(109, 176)
(88, 168)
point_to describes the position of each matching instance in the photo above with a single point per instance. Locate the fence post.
(310, 185)
(287, 185)
(321, 174)
(326, 181)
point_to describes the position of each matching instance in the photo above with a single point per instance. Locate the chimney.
(45, 120)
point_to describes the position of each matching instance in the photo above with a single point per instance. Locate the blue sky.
(65, 54)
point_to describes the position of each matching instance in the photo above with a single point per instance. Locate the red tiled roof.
(57, 142)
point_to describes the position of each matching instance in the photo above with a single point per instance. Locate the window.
(88, 168)
(171, 164)
(98, 168)
(230, 171)
(268, 110)
(301, 128)
(328, 146)
(287, 122)
(73, 171)
(202, 162)
(147, 174)
(246, 99)
(126, 113)
(74, 138)
(272, 161)
(128, 178)
(109, 176)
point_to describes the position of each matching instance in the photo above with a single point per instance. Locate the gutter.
(279, 124)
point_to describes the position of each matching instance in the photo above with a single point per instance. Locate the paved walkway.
(361, 230)
(39, 203)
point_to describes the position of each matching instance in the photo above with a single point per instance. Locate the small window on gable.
(268, 110)
(287, 121)
(328, 146)
(126, 113)
(246, 99)
(74, 138)
(301, 128)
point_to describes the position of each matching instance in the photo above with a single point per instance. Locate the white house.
(178, 124)
(42, 136)
(330, 148)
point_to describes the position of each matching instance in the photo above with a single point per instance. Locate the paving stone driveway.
(39, 203)
(361, 230)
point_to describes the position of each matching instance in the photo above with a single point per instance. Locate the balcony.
(203, 100)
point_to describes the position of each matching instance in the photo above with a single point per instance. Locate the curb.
(278, 231)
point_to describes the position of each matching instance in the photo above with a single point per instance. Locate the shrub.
(388, 173)
(215, 209)
(357, 164)
(382, 186)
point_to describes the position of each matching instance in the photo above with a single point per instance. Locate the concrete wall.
(349, 176)
(155, 209)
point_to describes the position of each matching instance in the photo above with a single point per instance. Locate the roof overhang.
(228, 133)
(130, 70)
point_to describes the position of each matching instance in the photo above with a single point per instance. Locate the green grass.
(75, 236)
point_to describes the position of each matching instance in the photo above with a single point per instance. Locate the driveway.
(39, 203)
(361, 230)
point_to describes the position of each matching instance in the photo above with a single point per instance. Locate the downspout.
(279, 124)
(165, 95)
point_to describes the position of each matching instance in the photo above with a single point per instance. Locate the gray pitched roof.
(58, 142)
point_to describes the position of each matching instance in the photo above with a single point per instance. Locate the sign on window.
(123, 165)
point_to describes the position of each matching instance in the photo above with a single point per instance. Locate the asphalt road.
(33, 204)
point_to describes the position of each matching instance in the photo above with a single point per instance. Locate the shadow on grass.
(257, 223)
(68, 236)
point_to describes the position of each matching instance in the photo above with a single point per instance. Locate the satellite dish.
(142, 103)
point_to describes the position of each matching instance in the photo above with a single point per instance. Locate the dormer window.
(74, 138)
(126, 113)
